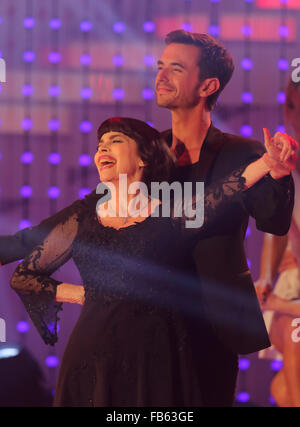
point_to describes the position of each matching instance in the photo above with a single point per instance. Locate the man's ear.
(142, 164)
(209, 86)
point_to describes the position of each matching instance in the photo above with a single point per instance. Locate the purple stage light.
(85, 59)
(54, 91)
(55, 23)
(29, 56)
(147, 94)
(150, 124)
(246, 30)
(85, 126)
(248, 232)
(118, 61)
(280, 128)
(187, 27)
(52, 361)
(149, 60)
(119, 27)
(86, 26)
(283, 31)
(86, 93)
(149, 26)
(118, 94)
(272, 400)
(85, 160)
(282, 64)
(0, 156)
(26, 191)
(29, 22)
(243, 397)
(244, 364)
(276, 365)
(53, 192)
(246, 130)
(83, 192)
(27, 157)
(23, 327)
(247, 63)
(54, 124)
(214, 30)
(249, 263)
(281, 97)
(27, 90)
(51, 327)
(54, 158)
(27, 124)
(247, 97)
(24, 223)
(54, 57)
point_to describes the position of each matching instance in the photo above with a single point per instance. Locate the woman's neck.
(123, 208)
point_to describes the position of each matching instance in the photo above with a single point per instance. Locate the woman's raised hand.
(282, 152)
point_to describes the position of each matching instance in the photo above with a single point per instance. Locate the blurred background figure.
(21, 378)
(281, 254)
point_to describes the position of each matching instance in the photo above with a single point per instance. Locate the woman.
(138, 339)
(281, 254)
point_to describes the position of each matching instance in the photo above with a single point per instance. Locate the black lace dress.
(141, 332)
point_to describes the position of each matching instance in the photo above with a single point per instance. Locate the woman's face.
(118, 154)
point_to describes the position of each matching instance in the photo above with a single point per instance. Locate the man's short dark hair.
(213, 60)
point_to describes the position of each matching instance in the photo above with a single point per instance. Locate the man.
(193, 70)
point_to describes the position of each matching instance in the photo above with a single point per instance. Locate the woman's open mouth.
(106, 162)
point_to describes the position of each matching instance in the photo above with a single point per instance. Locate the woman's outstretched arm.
(19, 245)
(41, 294)
(217, 198)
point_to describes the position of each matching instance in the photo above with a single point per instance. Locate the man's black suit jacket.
(227, 289)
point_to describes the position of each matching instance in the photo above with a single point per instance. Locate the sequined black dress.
(141, 332)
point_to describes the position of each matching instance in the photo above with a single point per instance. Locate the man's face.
(177, 80)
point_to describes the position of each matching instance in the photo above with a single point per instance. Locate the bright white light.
(8, 352)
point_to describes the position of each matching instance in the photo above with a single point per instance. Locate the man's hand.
(282, 151)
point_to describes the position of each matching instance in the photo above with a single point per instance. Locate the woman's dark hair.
(213, 59)
(152, 149)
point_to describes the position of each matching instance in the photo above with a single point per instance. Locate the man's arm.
(271, 200)
(17, 246)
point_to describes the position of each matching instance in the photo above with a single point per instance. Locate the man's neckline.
(204, 144)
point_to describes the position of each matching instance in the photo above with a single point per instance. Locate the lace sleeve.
(32, 282)
(201, 211)
(17, 246)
